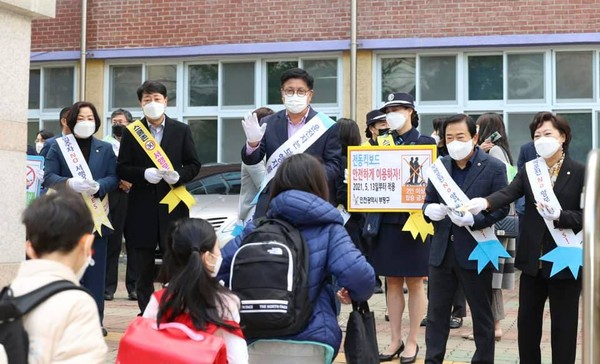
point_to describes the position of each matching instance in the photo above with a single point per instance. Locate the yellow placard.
(161, 161)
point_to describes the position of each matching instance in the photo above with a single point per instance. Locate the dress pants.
(443, 283)
(144, 259)
(564, 312)
(94, 277)
(118, 211)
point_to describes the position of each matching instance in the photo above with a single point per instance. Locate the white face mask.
(39, 146)
(295, 104)
(396, 120)
(459, 150)
(216, 265)
(154, 110)
(88, 262)
(84, 129)
(436, 138)
(546, 146)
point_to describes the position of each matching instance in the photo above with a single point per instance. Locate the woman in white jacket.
(65, 328)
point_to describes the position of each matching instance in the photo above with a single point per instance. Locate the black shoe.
(424, 322)
(456, 322)
(383, 357)
(104, 332)
(132, 296)
(412, 359)
(378, 290)
(109, 296)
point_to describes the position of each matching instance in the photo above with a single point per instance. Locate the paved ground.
(120, 312)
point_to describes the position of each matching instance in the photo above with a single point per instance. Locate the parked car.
(216, 190)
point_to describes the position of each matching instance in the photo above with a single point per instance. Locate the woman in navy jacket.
(299, 196)
(102, 162)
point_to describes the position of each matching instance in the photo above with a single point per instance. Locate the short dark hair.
(123, 112)
(557, 121)
(56, 222)
(150, 87)
(45, 134)
(349, 134)
(300, 172)
(438, 124)
(72, 118)
(459, 118)
(64, 113)
(262, 112)
(298, 73)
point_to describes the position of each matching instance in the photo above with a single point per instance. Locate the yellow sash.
(162, 162)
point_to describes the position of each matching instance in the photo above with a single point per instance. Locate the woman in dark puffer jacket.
(299, 195)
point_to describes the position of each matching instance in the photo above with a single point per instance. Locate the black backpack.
(13, 336)
(269, 273)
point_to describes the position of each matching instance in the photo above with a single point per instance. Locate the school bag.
(175, 343)
(13, 336)
(269, 273)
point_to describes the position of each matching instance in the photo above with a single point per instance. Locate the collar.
(411, 135)
(161, 125)
(302, 121)
(38, 267)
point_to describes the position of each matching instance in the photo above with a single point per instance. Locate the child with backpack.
(59, 319)
(298, 202)
(192, 295)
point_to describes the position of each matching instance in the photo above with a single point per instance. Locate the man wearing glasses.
(263, 140)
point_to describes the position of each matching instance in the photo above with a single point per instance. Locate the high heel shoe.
(386, 357)
(411, 359)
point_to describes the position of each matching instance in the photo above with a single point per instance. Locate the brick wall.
(155, 23)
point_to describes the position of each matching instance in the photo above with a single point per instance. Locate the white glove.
(346, 175)
(436, 211)
(466, 219)
(171, 177)
(78, 184)
(153, 175)
(93, 187)
(476, 205)
(254, 132)
(548, 212)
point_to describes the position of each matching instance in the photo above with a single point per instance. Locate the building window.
(238, 84)
(324, 73)
(124, 81)
(437, 78)
(34, 88)
(525, 76)
(398, 74)
(59, 87)
(274, 71)
(167, 75)
(204, 133)
(581, 134)
(573, 75)
(203, 85)
(232, 139)
(485, 78)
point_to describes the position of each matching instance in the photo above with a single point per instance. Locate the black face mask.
(117, 130)
(383, 132)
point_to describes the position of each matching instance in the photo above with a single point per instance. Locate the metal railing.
(591, 261)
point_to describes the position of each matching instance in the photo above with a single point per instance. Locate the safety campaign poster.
(388, 179)
(34, 172)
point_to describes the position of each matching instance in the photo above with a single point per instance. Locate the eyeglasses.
(290, 92)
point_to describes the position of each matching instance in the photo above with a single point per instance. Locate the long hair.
(349, 134)
(300, 172)
(490, 123)
(191, 289)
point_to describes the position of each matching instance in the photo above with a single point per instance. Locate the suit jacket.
(486, 175)
(535, 239)
(47, 144)
(147, 219)
(102, 164)
(327, 149)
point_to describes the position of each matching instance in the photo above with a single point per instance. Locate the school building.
(221, 59)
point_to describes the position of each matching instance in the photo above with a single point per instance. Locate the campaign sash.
(569, 250)
(488, 248)
(296, 144)
(162, 162)
(79, 168)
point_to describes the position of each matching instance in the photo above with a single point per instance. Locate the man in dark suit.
(263, 140)
(147, 219)
(476, 174)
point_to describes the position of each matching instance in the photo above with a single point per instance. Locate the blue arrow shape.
(562, 257)
(486, 252)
